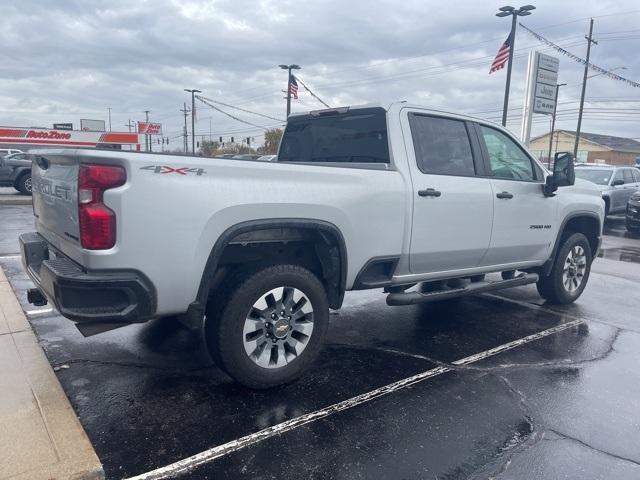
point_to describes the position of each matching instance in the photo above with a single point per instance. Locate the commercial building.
(592, 147)
(24, 138)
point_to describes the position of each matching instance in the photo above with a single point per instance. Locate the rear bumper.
(108, 296)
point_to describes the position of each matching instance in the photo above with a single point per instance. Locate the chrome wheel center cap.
(281, 328)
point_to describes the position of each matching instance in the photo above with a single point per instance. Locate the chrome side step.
(412, 298)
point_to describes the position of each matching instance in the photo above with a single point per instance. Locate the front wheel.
(269, 327)
(570, 272)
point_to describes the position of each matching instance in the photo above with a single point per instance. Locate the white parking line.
(190, 463)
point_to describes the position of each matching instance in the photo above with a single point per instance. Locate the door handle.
(504, 195)
(429, 192)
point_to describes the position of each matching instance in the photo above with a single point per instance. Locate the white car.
(9, 151)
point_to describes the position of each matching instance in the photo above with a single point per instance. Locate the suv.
(256, 253)
(617, 184)
(15, 171)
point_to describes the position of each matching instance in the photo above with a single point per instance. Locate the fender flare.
(548, 265)
(196, 309)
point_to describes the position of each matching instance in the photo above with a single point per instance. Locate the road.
(493, 386)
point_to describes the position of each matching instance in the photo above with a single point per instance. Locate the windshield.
(359, 136)
(599, 176)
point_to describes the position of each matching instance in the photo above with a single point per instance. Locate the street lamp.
(553, 123)
(289, 68)
(505, 12)
(193, 118)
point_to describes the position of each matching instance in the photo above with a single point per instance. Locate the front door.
(5, 171)
(452, 206)
(524, 219)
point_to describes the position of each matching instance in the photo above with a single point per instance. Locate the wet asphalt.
(563, 406)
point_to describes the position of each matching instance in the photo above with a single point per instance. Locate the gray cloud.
(66, 60)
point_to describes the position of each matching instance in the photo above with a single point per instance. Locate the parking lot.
(491, 386)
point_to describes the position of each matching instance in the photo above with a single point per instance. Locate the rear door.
(524, 219)
(452, 202)
(5, 170)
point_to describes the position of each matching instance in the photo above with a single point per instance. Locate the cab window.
(442, 146)
(618, 176)
(506, 159)
(628, 176)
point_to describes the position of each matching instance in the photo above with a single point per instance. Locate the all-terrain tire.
(227, 319)
(570, 272)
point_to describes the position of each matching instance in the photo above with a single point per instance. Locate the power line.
(241, 109)
(228, 114)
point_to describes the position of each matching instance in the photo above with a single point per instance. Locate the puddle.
(624, 254)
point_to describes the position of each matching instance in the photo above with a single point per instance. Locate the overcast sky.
(66, 60)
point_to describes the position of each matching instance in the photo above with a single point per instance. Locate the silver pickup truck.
(420, 204)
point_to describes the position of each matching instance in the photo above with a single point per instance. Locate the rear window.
(359, 136)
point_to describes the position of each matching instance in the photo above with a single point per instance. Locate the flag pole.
(512, 37)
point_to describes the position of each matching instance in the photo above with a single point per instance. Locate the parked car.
(9, 151)
(15, 171)
(255, 255)
(617, 184)
(268, 158)
(633, 213)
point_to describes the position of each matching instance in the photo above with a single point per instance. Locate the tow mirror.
(563, 173)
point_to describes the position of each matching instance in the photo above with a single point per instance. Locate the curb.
(42, 437)
(15, 200)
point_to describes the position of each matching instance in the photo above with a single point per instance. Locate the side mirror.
(563, 169)
(617, 182)
(563, 173)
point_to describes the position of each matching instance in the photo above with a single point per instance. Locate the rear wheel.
(570, 272)
(23, 185)
(270, 325)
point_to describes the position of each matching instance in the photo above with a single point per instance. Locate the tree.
(208, 148)
(272, 139)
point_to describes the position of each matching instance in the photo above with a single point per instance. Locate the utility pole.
(130, 125)
(288, 68)
(185, 111)
(109, 109)
(193, 118)
(553, 123)
(590, 40)
(147, 138)
(515, 13)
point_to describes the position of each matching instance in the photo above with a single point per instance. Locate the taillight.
(97, 221)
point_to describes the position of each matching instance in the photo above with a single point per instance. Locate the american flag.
(502, 57)
(293, 87)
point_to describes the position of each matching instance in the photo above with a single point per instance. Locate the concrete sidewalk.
(40, 435)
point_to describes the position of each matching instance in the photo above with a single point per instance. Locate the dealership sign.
(31, 137)
(149, 128)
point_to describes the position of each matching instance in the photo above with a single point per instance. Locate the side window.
(507, 160)
(628, 176)
(442, 146)
(618, 176)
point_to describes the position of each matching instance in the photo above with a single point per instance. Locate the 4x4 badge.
(180, 170)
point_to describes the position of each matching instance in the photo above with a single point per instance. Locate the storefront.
(28, 138)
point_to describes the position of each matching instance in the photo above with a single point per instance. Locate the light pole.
(553, 123)
(515, 13)
(193, 118)
(289, 68)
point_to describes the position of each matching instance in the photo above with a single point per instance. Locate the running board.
(412, 298)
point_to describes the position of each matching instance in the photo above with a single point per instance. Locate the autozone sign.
(48, 134)
(149, 128)
(70, 138)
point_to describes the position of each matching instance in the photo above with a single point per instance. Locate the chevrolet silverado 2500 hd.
(256, 253)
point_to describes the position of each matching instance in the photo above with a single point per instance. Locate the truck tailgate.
(55, 195)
